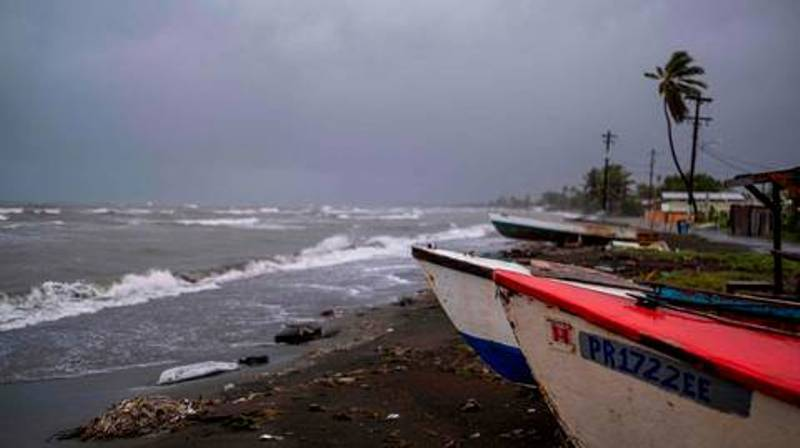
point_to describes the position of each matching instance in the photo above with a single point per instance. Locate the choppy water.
(93, 289)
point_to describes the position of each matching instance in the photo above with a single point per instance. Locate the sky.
(375, 102)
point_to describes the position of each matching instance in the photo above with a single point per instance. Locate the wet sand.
(395, 376)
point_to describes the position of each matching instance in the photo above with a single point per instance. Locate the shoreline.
(33, 412)
(397, 375)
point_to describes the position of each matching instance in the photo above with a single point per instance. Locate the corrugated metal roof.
(703, 196)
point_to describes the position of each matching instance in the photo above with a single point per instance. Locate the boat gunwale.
(454, 263)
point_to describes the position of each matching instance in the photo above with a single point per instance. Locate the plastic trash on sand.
(193, 371)
(139, 416)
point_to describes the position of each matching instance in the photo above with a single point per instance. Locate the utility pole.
(696, 119)
(608, 139)
(650, 186)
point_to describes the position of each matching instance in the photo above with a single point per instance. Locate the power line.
(733, 161)
(726, 163)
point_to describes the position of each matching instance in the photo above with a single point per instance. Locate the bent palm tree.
(677, 80)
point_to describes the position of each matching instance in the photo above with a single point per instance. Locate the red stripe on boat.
(761, 360)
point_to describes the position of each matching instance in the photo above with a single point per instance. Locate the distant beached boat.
(464, 287)
(619, 373)
(574, 231)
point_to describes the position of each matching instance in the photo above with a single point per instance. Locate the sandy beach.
(395, 376)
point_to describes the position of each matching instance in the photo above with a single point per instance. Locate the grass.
(712, 270)
(710, 281)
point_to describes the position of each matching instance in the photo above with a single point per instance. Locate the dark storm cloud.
(367, 101)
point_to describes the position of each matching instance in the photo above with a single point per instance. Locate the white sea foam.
(241, 223)
(3, 218)
(383, 214)
(236, 211)
(133, 211)
(391, 268)
(47, 211)
(11, 210)
(230, 222)
(397, 280)
(98, 211)
(56, 300)
(246, 211)
(414, 215)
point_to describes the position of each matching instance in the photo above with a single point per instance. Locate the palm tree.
(676, 81)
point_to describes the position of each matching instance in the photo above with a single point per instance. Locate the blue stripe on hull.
(507, 361)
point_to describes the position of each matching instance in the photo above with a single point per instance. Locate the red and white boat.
(620, 374)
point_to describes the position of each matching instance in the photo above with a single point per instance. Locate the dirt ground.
(416, 385)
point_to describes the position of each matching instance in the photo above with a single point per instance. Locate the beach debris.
(475, 435)
(194, 371)
(241, 423)
(342, 416)
(315, 407)
(228, 387)
(329, 330)
(345, 380)
(328, 313)
(270, 437)
(139, 416)
(304, 331)
(392, 416)
(471, 405)
(514, 434)
(660, 246)
(254, 360)
(405, 301)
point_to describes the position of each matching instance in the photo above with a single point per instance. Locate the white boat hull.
(602, 402)
(470, 303)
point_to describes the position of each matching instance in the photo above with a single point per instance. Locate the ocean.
(94, 289)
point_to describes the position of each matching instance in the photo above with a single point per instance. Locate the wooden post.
(776, 239)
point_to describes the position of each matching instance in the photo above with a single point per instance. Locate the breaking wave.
(46, 211)
(246, 211)
(234, 222)
(56, 300)
(11, 210)
(382, 214)
(241, 223)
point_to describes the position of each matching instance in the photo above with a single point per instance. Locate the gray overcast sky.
(372, 101)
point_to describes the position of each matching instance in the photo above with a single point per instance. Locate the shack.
(788, 182)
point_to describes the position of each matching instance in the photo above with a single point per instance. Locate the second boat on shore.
(561, 233)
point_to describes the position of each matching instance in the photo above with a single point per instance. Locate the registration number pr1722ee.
(665, 373)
